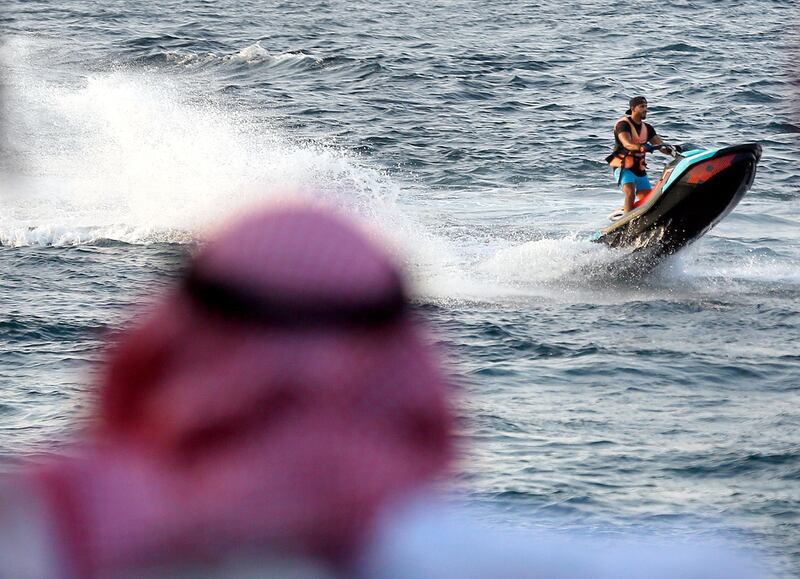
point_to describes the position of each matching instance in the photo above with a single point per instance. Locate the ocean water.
(471, 136)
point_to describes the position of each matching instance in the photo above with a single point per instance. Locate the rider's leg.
(627, 182)
(629, 189)
(643, 187)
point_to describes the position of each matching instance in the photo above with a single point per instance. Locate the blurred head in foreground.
(273, 400)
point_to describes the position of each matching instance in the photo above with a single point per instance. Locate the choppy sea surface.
(471, 135)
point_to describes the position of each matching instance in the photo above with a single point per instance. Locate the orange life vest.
(621, 157)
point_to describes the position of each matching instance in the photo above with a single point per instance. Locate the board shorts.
(641, 183)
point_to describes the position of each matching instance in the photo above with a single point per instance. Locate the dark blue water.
(472, 137)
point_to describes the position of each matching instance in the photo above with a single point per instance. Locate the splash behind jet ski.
(695, 192)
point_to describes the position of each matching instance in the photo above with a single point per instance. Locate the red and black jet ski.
(695, 192)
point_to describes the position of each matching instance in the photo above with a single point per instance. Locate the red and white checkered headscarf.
(275, 399)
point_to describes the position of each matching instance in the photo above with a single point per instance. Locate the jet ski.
(697, 189)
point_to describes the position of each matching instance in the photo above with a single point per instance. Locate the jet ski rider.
(633, 139)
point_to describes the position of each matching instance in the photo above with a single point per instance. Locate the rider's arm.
(625, 139)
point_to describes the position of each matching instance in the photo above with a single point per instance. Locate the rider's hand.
(667, 149)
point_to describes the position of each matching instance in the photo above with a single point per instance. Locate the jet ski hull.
(694, 194)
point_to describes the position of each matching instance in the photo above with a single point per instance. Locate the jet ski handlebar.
(666, 149)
